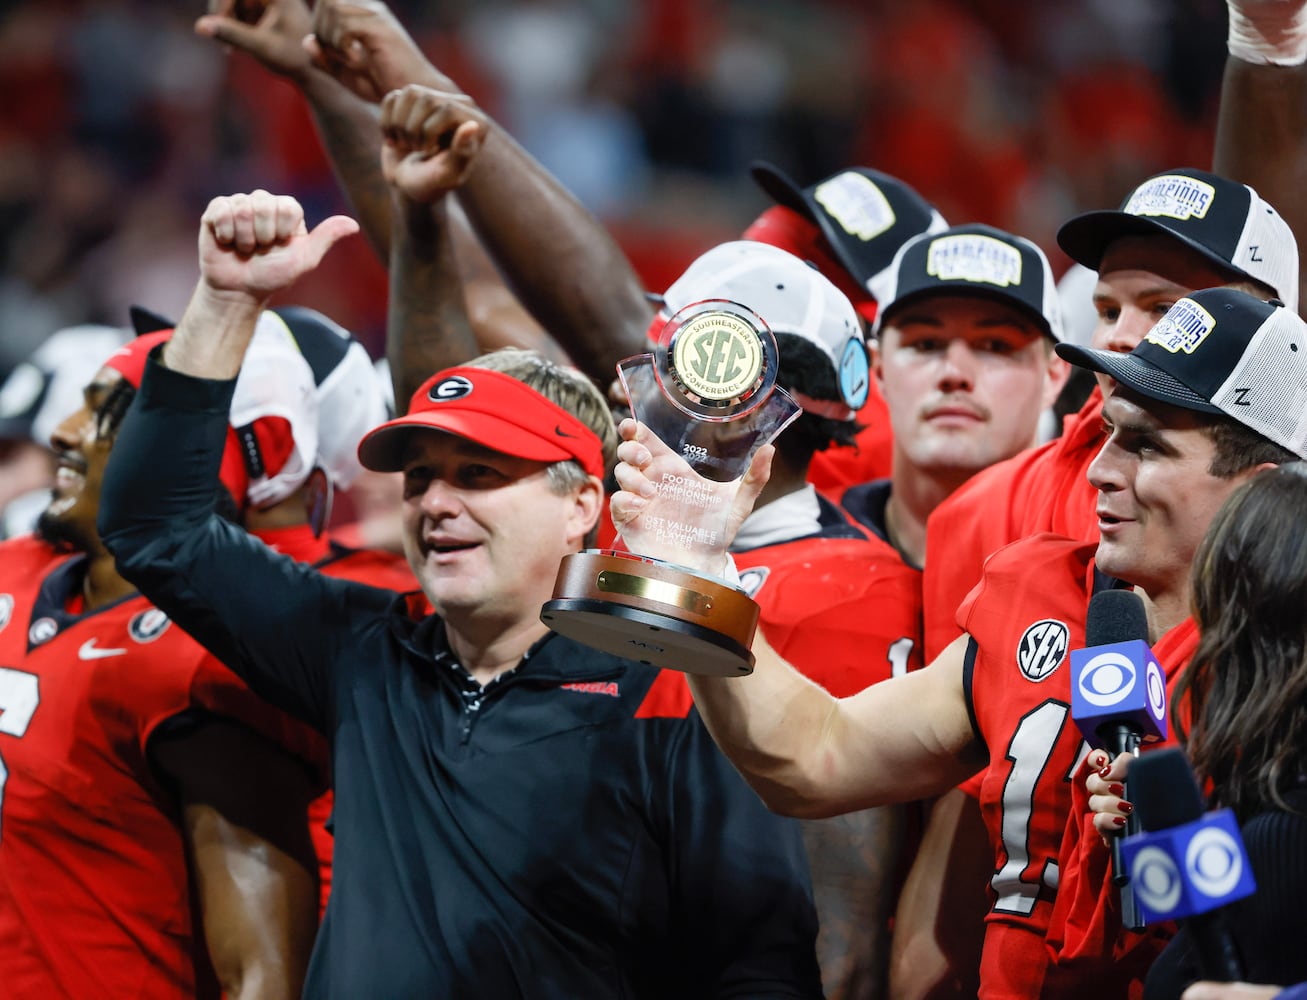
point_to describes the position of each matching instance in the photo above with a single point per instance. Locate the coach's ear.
(589, 504)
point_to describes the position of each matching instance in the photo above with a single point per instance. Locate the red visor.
(785, 228)
(129, 360)
(494, 410)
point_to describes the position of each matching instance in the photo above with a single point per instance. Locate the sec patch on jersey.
(1042, 648)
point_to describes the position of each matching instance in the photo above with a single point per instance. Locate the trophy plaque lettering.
(708, 394)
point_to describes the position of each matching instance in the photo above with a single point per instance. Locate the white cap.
(351, 396)
(275, 381)
(43, 390)
(792, 297)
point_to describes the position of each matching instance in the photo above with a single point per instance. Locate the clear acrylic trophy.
(708, 393)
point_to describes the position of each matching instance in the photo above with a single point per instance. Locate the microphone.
(1187, 864)
(1118, 692)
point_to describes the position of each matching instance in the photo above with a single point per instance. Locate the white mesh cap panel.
(1267, 390)
(1268, 251)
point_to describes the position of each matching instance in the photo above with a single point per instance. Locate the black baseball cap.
(974, 259)
(864, 214)
(1225, 221)
(1220, 351)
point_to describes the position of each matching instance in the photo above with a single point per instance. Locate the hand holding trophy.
(708, 401)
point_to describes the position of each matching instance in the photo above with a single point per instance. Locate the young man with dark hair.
(152, 809)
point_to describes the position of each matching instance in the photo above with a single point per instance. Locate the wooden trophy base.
(654, 612)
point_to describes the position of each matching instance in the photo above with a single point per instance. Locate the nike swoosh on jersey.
(90, 651)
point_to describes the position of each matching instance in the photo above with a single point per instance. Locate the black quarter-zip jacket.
(568, 831)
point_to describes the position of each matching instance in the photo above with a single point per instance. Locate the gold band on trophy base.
(653, 612)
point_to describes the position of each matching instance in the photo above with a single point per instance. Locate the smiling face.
(483, 531)
(82, 442)
(1156, 493)
(965, 379)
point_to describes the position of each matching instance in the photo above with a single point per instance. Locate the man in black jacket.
(516, 815)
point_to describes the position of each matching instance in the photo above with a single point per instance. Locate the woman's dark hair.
(1245, 691)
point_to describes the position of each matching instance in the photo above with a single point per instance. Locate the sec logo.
(1042, 649)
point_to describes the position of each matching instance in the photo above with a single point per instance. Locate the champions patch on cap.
(980, 259)
(1175, 196)
(855, 204)
(865, 215)
(973, 260)
(1220, 351)
(1183, 328)
(1224, 221)
(491, 409)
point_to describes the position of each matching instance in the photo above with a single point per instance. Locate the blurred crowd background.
(119, 124)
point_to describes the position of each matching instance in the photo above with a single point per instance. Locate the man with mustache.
(966, 329)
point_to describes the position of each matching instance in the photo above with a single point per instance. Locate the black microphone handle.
(1214, 948)
(1120, 738)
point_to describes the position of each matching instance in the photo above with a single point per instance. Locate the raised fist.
(430, 140)
(258, 244)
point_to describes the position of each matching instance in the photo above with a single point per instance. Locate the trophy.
(708, 392)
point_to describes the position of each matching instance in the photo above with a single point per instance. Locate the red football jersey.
(1085, 936)
(1026, 615)
(846, 612)
(95, 898)
(1043, 489)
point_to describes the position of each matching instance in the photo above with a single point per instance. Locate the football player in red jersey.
(152, 821)
(813, 571)
(850, 226)
(997, 696)
(1148, 255)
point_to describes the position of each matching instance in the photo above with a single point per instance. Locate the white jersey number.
(900, 652)
(1031, 747)
(19, 696)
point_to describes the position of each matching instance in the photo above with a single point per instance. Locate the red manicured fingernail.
(1116, 788)
(1100, 760)
(1126, 807)
(1104, 772)
(1118, 820)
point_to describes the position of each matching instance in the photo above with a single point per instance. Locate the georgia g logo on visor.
(453, 387)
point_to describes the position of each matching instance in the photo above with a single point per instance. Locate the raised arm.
(251, 246)
(157, 512)
(805, 752)
(1261, 134)
(558, 258)
(432, 140)
(273, 32)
